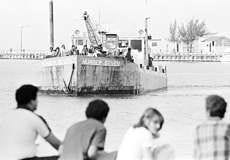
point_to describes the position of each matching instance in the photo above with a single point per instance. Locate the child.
(85, 140)
(139, 141)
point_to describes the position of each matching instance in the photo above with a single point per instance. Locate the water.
(182, 104)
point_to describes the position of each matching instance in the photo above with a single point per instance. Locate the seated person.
(20, 128)
(85, 140)
(140, 141)
(212, 136)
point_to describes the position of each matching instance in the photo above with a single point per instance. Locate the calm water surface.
(182, 104)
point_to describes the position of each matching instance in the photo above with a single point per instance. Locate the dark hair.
(25, 94)
(149, 113)
(216, 106)
(97, 109)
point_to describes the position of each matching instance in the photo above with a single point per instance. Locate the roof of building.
(216, 38)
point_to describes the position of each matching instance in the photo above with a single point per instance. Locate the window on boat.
(123, 43)
(80, 42)
(136, 44)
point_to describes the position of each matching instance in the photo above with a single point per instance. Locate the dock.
(187, 57)
(33, 55)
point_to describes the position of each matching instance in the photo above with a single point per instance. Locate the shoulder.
(23, 113)
(143, 131)
(40, 123)
(87, 125)
(95, 124)
(203, 125)
(139, 132)
(208, 124)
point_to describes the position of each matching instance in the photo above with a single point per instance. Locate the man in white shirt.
(20, 128)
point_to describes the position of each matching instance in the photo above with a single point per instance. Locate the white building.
(211, 44)
(215, 44)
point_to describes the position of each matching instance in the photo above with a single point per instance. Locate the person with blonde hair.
(139, 141)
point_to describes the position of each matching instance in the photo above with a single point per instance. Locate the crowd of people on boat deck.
(91, 51)
(85, 140)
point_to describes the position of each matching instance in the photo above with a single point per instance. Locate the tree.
(173, 32)
(192, 31)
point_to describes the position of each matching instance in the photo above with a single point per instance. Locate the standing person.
(63, 50)
(85, 50)
(85, 140)
(21, 127)
(212, 137)
(128, 55)
(140, 140)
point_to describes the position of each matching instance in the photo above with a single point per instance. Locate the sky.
(124, 17)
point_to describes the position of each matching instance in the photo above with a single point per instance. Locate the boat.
(103, 69)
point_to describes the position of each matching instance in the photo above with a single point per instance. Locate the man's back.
(212, 140)
(18, 132)
(80, 136)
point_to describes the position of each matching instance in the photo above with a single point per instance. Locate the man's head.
(97, 109)
(26, 97)
(216, 106)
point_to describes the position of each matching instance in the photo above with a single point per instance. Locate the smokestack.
(51, 25)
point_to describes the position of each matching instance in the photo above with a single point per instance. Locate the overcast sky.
(124, 17)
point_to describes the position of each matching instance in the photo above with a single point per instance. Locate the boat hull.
(80, 75)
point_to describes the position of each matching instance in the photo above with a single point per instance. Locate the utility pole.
(21, 34)
(21, 29)
(146, 41)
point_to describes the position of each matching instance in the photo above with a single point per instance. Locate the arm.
(45, 131)
(53, 141)
(147, 153)
(92, 152)
(97, 145)
(149, 145)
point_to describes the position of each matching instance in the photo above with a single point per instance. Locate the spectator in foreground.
(85, 140)
(139, 142)
(212, 137)
(21, 127)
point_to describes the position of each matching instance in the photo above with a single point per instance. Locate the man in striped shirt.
(212, 137)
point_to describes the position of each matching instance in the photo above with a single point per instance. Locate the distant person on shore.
(212, 137)
(140, 141)
(129, 56)
(85, 140)
(20, 128)
(63, 50)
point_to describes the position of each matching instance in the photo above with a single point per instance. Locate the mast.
(146, 35)
(146, 42)
(51, 25)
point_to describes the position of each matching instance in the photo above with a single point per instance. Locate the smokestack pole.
(51, 25)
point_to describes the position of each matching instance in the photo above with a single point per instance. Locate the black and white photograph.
(114, 80)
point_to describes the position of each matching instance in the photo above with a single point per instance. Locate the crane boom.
(92, 33)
